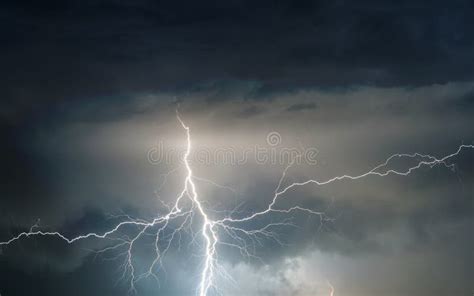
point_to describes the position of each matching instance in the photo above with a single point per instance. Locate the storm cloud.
(90, 88)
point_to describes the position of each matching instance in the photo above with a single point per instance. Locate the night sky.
(89, 93)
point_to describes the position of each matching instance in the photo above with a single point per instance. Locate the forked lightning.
(227, 231)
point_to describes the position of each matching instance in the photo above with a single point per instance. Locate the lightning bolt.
(208, 231)
(331, 288)
(227, 231)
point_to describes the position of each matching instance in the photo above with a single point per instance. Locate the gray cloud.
(101, 164)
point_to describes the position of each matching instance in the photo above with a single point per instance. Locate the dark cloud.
(93, 275)
(250, 111)
(301, 106)
(69, 50)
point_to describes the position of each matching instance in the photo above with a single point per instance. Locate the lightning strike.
(208, 231)
(180, 217)
(331, 288)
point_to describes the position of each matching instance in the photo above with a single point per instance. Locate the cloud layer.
(88, 89)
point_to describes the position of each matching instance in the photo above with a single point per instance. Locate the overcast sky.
(89, 93)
